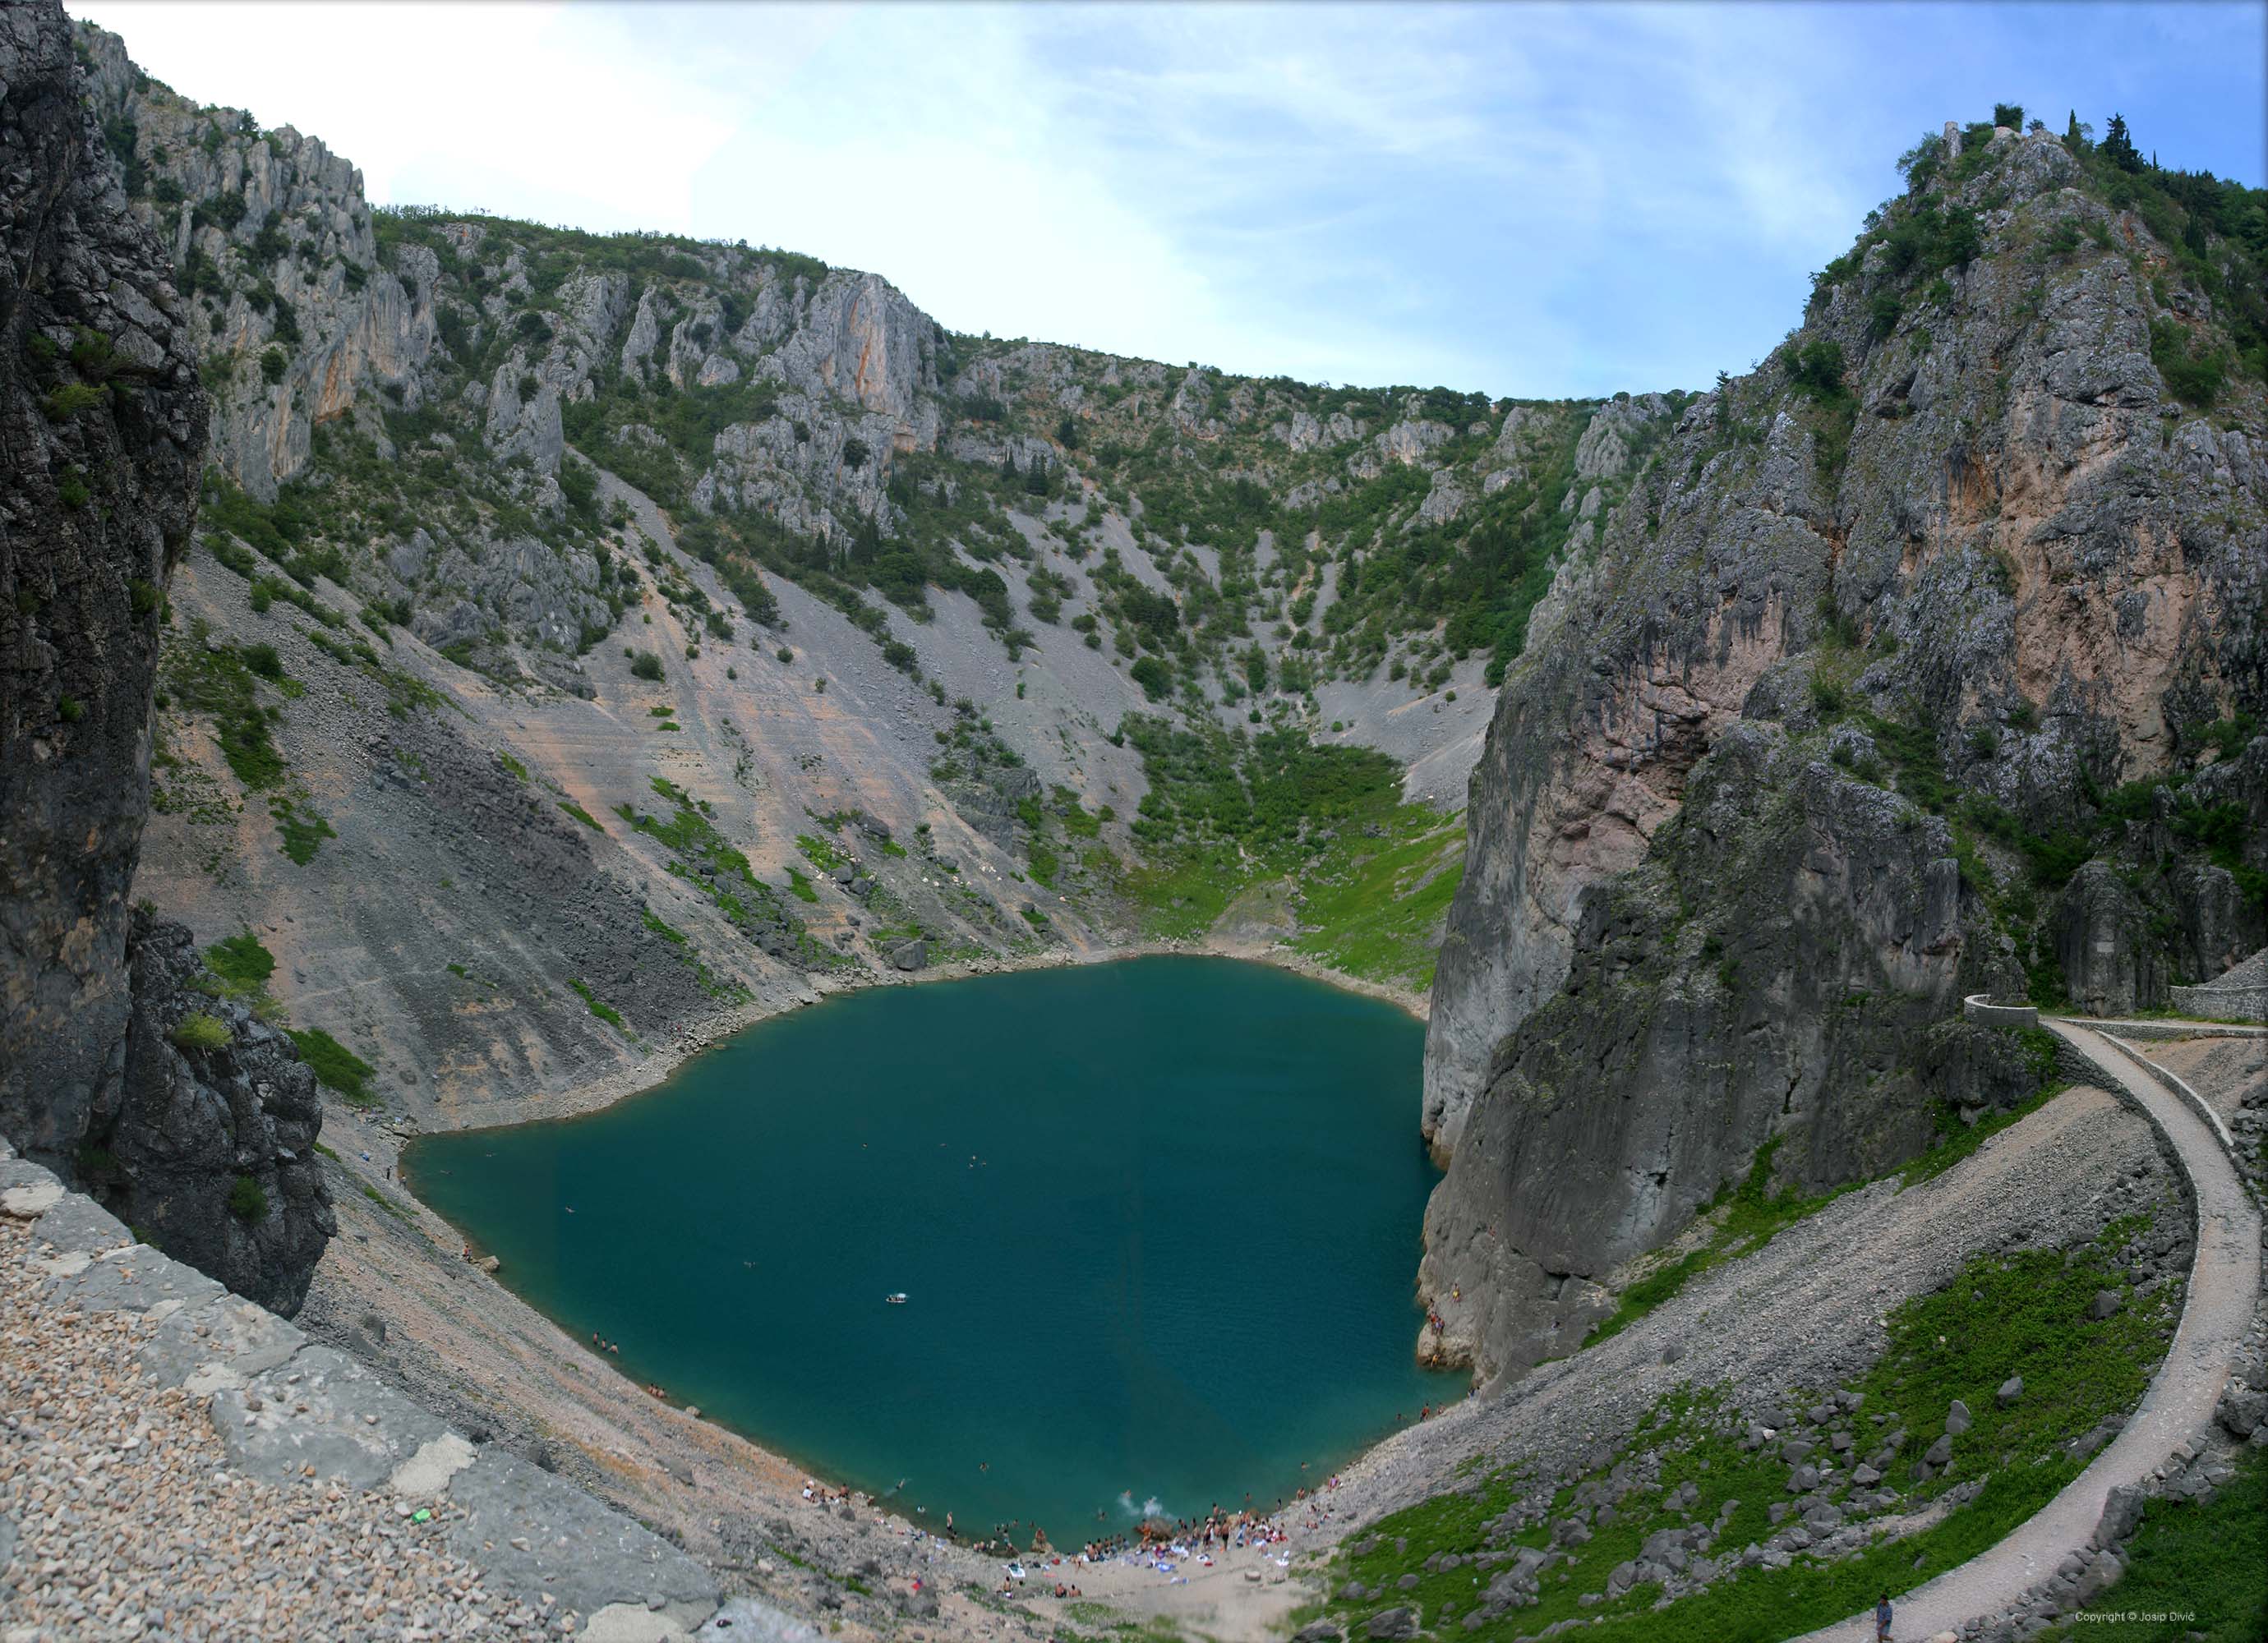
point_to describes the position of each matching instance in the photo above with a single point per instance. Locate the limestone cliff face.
(272, 240)
(1883, 641)
(102, 429)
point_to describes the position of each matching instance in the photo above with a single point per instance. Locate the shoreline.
(620, 1084)
(623, 1082)
(771, 1476)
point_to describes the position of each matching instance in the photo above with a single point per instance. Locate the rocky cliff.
(202, 1133)
(1927, 659)
(589, 636)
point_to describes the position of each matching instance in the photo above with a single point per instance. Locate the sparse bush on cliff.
(197, 1030)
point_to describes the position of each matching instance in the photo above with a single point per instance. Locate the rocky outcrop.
(1794, 937)
(1874, 623)
(102, 426)
(210, 1149)
(276, 253)
(202, 1133)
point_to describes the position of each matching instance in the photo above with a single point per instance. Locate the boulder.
(2122, 1513)
(1957, 1419)
(2011, 1389)
(1392, 1622)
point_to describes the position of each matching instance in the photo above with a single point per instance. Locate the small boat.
(897, 1300)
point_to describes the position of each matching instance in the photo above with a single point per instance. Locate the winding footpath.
(2224, 1285)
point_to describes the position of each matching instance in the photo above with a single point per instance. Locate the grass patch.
(600, 1008)
(398, 1211)
(1964, 1140)
(302, 829)
(2196, 1564)
(336, 1067)
(1751, 1215)
(668, 933)
(582, 815)
(1377, 913)
(799, 883)
(247, 1200)
(821, 853)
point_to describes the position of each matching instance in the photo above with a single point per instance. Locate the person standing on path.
(1883, 1618)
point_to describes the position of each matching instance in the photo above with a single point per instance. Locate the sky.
(1526, 200)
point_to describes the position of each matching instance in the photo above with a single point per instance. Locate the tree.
(2008, 114)
(1067, 432)
(2118, 145)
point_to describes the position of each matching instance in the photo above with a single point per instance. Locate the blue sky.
(1525, 198)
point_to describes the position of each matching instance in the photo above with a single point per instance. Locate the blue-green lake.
(1156, 1222)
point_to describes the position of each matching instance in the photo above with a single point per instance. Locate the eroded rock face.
(340, 325)
(102, 429)
(102, 426)
(2028, 578)
(1826, 958)
(212, 1150)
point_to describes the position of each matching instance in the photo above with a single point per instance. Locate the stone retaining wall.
(1979, 1007)
(2236, 1003)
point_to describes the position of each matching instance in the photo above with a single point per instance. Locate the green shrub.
(1816, 369)
(240, 960)
(247, 1201)
(273, 364)
(646, 665)
(2193, 373)
(67, 399)
(197, 1030)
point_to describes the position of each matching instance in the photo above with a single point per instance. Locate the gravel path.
(2224, 1285)
(128, 1523)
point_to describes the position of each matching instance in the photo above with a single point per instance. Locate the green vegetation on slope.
(2197, 1565)
(2005, 1315)
(1377, 913)
(334, 1065)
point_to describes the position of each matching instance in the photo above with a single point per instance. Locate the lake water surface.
(1156, 1222)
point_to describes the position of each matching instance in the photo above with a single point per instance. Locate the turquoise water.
(1158, 1223)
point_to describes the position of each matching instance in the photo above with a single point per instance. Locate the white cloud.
(1530, 199)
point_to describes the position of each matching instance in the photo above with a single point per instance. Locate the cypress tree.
(2118, 145)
